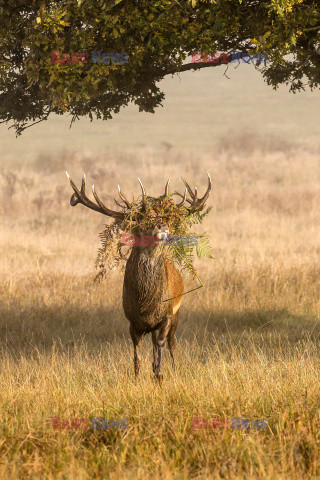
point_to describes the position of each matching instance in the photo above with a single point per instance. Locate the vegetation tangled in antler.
(144, 216)
(139, 217)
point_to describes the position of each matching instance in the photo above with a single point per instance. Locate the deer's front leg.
(171, 341)
(137, 345)
(161, 340)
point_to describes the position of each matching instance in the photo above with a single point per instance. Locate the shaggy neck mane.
(147, 266)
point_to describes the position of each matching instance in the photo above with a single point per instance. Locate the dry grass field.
(247, 343)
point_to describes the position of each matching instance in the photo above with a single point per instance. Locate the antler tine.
(206, 195)
(188, 187)
(144, 196)
(184, 198)
(80, 196)
(105, 209)
(195, 198)
(197, 203)
(166, 190)
(123, 198)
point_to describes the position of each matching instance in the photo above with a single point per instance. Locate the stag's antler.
(144, 195)
(123, 198)
(166, 190)
(184, 198)
(195, 202)
(166, 194)
(80, 196)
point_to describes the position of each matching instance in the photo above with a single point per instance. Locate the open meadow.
(247, 343)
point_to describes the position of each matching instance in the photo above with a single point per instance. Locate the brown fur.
(149, 280)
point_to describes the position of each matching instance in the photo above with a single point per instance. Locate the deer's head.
(152, 216)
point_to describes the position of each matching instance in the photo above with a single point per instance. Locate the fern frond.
(157, 210)
(203, 248)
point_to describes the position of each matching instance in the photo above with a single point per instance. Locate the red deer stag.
(150, 278)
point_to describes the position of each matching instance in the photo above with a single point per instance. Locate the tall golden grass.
(248, 342)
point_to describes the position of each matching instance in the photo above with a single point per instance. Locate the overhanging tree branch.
(154, 34)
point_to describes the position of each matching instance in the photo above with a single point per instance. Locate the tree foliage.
(158, 36)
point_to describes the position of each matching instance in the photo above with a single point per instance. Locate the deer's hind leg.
(171, 340)
(137, 345)
(158, 344)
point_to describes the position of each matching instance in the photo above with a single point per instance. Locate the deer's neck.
(145, 275)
